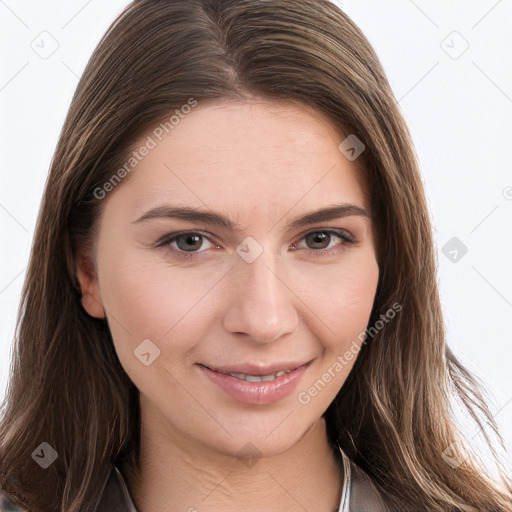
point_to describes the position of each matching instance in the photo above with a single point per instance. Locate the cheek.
(341, 297)
(342, 304)
(145, 299)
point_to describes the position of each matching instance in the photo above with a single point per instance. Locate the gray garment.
(359, 494)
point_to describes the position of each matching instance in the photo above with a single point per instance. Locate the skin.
(262, 164)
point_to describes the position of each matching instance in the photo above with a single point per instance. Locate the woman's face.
(269, 272)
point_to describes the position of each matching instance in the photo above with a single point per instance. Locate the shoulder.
(364, 493)
(115, 496)
(9, 504)
(359, 491)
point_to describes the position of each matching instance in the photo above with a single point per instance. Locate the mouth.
(253, 377)
(254, 384)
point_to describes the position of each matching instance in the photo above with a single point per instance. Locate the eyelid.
(171, 237)
(345, 236)
(342, 233)
(346, 240)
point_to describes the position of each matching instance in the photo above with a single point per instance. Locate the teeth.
(238, 375)
(258, 378)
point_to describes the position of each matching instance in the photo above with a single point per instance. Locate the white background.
(458, 107)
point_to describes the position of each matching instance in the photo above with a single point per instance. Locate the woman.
(231, 302)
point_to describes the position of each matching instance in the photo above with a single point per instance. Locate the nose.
(261, 304)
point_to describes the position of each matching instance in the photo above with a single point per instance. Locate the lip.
(258, 393)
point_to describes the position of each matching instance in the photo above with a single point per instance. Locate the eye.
(322, 242)
(186, 242)
(189, 244)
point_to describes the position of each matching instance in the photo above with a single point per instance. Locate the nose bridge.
(261, 306)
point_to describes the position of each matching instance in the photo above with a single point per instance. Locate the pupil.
(191, 242)
(318, 238)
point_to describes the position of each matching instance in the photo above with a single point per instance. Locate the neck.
(184, 475)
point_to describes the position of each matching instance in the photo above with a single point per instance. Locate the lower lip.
(265, 392)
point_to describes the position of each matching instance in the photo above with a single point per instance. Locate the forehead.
(252, 157)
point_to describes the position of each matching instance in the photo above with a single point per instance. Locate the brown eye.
(186, 243)
(189, 242)
(318, 240)
(324, 242)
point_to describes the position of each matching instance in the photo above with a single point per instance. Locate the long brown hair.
(67, 387)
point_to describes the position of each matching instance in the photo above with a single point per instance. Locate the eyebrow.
(188, 213)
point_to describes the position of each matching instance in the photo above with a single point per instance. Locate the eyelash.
(167, 240)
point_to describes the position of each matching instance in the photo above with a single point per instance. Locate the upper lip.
(256, 369)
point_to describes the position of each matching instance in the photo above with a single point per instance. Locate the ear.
(88, 279)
